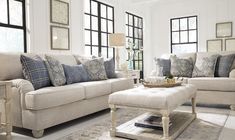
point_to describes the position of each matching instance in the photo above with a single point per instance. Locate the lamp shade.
(117, 40)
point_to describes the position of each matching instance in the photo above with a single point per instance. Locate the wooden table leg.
(194, 106)
(113, 120)
(165, 123)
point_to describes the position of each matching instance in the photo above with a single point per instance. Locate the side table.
(134, 74)
(5, 109)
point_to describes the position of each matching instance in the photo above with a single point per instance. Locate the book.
(153, 122)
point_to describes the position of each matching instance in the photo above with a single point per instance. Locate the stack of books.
(153, 122)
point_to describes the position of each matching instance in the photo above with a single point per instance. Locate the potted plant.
(170, 79)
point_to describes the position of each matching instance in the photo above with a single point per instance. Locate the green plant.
(170, 76)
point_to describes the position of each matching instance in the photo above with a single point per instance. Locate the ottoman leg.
(165, 124)
(193, 105)
(113, 120)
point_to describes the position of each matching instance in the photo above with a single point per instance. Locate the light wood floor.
(228, 132)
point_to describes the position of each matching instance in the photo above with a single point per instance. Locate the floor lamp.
(117, 40)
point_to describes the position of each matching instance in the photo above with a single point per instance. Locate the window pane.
(94, 38)
(94, 8)
(192, 36)
(110, 52)
(140, 23)
(140, 44)
(127, 31)
(87, 37)
(15, 12)
(140, 55)
(136, 21)
(136, 32)
(110, 26)
(87, 6)
(175, 25)
(184, 36)
(104, 52)
(136, 65)
(95, 51)
(175, 37)
(140, 33)
(110, 13)
(104, 39)
(3, 11)
(183, 24)
(103, 11)
(126, 18)
(87, 50)
(103, 25)
(87, 22)
(131, 20)
(184, 48)
(11, 40)
(94, 23)
(192, 23)
(130, 31)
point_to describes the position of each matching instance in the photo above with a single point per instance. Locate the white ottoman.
(158, 100)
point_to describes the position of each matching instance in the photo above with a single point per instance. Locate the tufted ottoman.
(160, 101)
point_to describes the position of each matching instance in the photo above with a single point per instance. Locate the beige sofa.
(40, 109)
(212, 90)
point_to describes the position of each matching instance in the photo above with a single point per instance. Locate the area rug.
(207, 126)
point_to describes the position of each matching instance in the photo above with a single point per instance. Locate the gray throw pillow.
(110, 68)
(95, 69)
(205, 66)
(56, 71)
(223, 65)
(181, 67)
(165, 64)
(75, 74)
(35, 71)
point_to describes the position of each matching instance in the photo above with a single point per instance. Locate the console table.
(5, 109)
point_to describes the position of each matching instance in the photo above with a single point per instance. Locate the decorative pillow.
(75, 74)
(165, 64)
(223, 65)
(35, 71)
(95, 69)
(56, 71)
(110, 68)
(205, 66)
(181, 67)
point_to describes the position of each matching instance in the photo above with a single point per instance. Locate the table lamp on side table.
(117, 40)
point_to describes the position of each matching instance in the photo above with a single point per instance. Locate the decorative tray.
(166, 85)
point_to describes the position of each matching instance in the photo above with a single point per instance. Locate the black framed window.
(12, 26)
(134, 34)
(184, 34)
(99, 23)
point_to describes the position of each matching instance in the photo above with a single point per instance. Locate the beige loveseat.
(40, 109)
(212, 90)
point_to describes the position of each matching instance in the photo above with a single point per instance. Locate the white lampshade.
(117, 40)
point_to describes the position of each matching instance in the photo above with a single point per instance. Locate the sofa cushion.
(223, 65)
(96, 88)
(181, 67)
(213, 84)
(118, 84)
(95, 69)
(75, 74)
(110, 68)
(205, 65)
(54, 96)
(64, 59)
(35, 71)
(56, 71)
(165, 64)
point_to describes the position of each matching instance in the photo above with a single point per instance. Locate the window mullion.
(99, 30)
(8, 13)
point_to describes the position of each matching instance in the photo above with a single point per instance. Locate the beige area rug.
(207, 126)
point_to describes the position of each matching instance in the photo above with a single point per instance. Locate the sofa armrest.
(120, 74)
(23, 86)
(232, 74)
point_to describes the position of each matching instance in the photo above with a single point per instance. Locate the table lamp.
(117, 40)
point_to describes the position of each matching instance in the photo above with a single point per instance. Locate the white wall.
(209, 13)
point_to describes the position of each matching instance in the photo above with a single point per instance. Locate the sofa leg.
(232, 107)
(37, 133)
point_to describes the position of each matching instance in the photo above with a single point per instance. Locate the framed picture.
(59, 11)
(214, 45)
(60, 38)
(230, 44)
(224, 29)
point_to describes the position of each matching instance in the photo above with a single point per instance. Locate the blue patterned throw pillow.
(165, 64)
(75, 74)
(56, 71)
(110, 68)
(35, 71)
(223, 65)
(95, 69)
